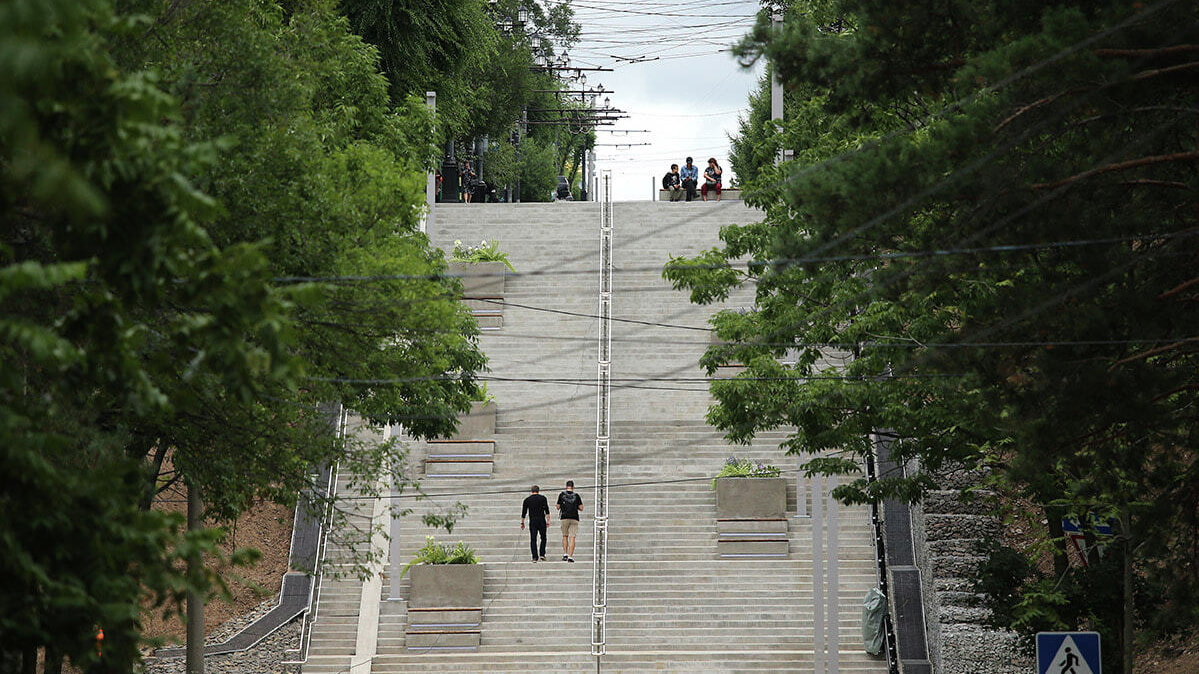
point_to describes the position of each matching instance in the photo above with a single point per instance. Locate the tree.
(538, 174)
(476, 57)
(991, 215)
(105, 269)
(175, 221)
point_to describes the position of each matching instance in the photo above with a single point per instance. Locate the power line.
(773, 262)
(583, 381)
(814, 167)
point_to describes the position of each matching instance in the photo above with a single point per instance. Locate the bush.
(734, 467)
(484, 252)
(437, 553)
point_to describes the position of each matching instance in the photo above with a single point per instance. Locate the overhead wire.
(954, 105)
(771, 262)
(668, 227)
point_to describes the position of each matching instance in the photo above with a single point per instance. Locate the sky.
(675, 77)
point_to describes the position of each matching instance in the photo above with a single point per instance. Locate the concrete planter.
(751, 498)
(446, 586)
(478, 424)
(445, 610)
(480, 280)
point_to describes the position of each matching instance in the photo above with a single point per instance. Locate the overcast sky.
(675, 77)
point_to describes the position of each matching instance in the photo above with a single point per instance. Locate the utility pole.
(520, 132)
(776, 88)
(195, 600)
(431, 176)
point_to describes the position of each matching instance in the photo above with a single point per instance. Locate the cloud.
(688, 105)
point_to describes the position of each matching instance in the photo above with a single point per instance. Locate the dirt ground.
(267, 527)
(1180, 656)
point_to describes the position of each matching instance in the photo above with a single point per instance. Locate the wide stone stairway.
(673, 603)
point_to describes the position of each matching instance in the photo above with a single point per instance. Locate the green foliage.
(989, 227)
(160, 172)
(445, 519)
(538, 169)
(734, 467)
(486, 251)
(483, 395)
(481, 73)
(1000, 578)
(433, 552)
(500, 163)
(1021, 598)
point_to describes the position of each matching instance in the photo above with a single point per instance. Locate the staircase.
(673, 604)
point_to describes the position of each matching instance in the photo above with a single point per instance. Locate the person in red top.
(712, 179)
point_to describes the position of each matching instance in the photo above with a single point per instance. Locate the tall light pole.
(449, 174)
(776, 89)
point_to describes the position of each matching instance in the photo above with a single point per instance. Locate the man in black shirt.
(570, 505)
(672, 183)
(538, 510)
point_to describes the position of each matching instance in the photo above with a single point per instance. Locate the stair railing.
(314, 588)
(599, 586)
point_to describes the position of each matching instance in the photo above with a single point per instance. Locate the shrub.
(483, 396)
(734, 467)
(484, 252)
(437, 553)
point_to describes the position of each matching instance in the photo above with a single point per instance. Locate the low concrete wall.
(730, 194)
(751, 497)
(446, 586)
(480, 279)
(478, 424)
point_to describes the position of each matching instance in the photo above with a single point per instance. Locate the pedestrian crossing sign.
(1068, 653)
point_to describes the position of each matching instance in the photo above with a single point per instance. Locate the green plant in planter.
(483, 396)
(433, 552)
(734, 467)
(484, 252)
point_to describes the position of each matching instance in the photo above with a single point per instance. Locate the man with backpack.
(570, 505)
(672, 182)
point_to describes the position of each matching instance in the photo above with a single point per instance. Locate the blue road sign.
(1068, 653)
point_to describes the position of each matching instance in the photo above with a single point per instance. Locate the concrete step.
(672, 604)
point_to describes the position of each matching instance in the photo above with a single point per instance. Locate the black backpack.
(668, 180)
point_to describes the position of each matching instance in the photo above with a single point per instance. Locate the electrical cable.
(668, 227)
(773, 262)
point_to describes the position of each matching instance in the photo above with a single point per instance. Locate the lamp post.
(520, 130)
(449, 175)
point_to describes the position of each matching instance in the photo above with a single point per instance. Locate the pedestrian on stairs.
(538, 510)
(570, 505)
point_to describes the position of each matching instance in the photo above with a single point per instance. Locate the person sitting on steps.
(690, 175)
(673, 183)
(712, 178)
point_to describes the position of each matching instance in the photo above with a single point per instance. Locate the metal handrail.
(880, 564)
(603, 408)
(314, 590)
